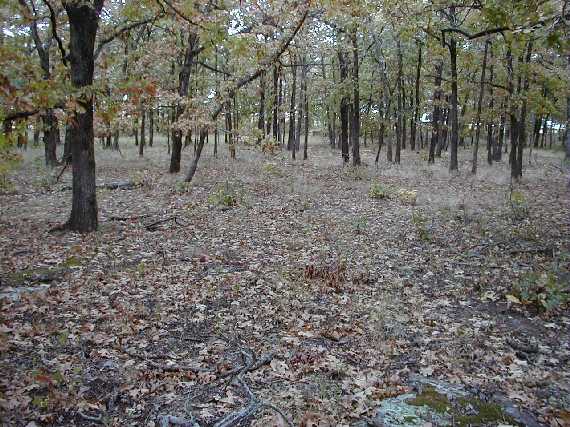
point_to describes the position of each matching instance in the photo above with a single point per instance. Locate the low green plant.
(359, 224)
(225, 196)
(378, 191)
(272, 169)
(519, 204)
(544, 291)
(420, 222)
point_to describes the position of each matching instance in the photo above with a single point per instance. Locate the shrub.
(378, 191)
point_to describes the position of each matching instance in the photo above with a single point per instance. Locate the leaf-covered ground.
(287, 276)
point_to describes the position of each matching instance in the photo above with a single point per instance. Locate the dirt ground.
(317, 288)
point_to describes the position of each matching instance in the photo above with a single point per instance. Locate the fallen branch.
(177, 368)
(154, 226)
(235, 418)
(548, 251)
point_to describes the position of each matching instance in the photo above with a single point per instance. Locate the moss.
(71, 261)
(431, 398)
(487, 413)
(481, 413)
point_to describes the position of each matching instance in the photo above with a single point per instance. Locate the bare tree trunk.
(453, 163)
(150, 127)
(344, 116)
(143, 135)
(490, 123)
(568, 118)
(83, 23)
(291, 143)
(436, 116)
(479, 106)
(416, 100)
(261, 117)
(356, 100)
(522, 133)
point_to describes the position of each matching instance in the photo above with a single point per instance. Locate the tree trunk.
(490, 123)
(453, 164)
(275, 103)
(415, 119)
(522, 132)
(183, 84)
(399, 119)
(356, 101)
(150, 127)
(479, 106)
(306, 109)
(343, 109)
(568, 118)
(143, 135)
(83, 22)
(436, 116)
(291, 140)
(261, 118)
(51, 132)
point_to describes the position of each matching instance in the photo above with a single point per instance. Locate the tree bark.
(83, 23)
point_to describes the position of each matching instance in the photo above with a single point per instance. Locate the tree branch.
(54, 32)
(123, 30)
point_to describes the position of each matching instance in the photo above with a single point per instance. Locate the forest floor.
(299, 279)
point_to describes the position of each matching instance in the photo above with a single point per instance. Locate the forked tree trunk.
(183, 84)
(83, 23)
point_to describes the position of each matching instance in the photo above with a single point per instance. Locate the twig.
(96, 419)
